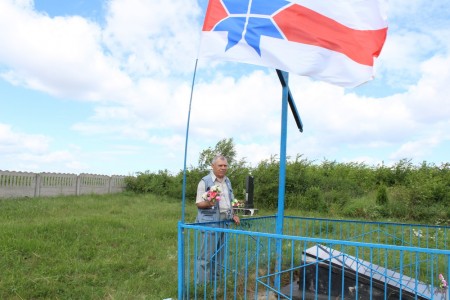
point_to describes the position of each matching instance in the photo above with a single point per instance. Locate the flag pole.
(181, 268)
(282, 173)
(286, 100)
(283, 137)
(183, 197)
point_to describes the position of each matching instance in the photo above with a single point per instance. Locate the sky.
(103, 87)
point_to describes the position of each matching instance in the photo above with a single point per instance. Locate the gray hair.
(217, 157)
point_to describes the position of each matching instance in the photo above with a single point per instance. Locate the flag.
(334, 41)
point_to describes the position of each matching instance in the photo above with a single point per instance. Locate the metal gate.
(313, 259)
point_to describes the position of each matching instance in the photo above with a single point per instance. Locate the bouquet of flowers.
(237, 203)
(442, 284)
(212, 194)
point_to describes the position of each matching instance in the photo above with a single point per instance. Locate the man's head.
(219, 166)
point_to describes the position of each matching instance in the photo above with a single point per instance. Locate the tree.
(224, 147)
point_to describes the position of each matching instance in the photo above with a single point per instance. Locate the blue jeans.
(211, 256)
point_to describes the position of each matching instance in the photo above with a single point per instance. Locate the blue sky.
(91, 86)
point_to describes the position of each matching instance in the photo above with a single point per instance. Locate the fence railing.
(28, 184)
(313, 259)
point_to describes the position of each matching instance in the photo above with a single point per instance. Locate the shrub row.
(403, 191)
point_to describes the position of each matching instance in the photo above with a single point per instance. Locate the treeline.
(402, 192)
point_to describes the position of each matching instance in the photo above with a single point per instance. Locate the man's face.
(220, 168)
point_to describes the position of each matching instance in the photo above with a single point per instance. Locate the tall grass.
(121, 246)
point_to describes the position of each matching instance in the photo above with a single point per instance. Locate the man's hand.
(205, 204)
(236, 219)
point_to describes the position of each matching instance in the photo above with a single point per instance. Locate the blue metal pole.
(282, 173)
(181, 282)
(183, 204)
(183, 197)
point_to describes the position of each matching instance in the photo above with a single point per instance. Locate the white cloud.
(28, 4)
(138, 70)
(53, 161)
(227, 104)
(153, 37)
(418, 149)
(429, 97)
(415, 34)
(13, 142)
(402, 55)
(62, 56)
(28, 152)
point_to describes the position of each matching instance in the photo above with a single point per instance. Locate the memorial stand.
(248, 209)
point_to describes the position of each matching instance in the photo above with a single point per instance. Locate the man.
(210, 258)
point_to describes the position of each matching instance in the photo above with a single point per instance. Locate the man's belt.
(208, 211)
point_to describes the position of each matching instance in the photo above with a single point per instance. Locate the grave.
(326, 271)
(248, 209)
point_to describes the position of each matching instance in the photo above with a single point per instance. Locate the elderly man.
(213, 207)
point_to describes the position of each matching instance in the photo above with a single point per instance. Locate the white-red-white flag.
(334, 41)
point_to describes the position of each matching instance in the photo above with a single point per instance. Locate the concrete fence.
(27, 184)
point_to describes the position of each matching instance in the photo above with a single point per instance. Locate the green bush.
(399, 206)
(362, 208)
(403, 191)
(382, 197)
(335, 197)
(293, 202)
(313, 200)
(266, 183)
(160, 183)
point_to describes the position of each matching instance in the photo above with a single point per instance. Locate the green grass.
(121, 246)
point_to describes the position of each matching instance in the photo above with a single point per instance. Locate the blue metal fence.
(312, 259)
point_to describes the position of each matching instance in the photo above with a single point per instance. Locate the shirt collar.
(214, 177)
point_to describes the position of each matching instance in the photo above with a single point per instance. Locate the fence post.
(109, 184)
(77, 185)
(37, 185)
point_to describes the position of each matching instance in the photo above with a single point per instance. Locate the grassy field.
(120, 246)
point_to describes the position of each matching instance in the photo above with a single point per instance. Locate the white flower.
(417, 233)
(216, 188)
